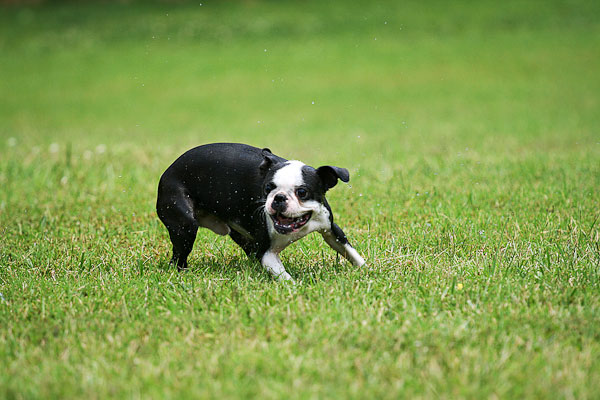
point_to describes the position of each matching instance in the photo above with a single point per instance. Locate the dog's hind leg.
(337, 240)
(182, 237)
(176, 211)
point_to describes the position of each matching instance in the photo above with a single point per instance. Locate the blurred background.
(301, 77)
(425, 95)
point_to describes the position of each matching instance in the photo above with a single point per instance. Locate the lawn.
(471, 131)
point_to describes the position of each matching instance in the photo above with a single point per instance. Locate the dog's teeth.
(289, 223)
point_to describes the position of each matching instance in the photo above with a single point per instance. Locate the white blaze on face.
(286, 180)
(289, 176)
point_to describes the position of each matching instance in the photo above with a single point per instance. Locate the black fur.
(226, 181)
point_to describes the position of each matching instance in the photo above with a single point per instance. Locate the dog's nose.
(279, 202)
(279, 198)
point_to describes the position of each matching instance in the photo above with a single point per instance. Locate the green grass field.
(472, 134)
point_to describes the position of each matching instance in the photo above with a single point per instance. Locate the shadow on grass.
(240, 267)
(231, 267)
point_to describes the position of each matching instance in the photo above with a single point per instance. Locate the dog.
(262, 201)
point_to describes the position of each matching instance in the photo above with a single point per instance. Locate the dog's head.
(295, 192)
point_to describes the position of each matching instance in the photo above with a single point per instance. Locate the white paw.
(285, 277)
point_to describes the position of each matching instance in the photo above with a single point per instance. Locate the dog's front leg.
(337, 240)
(270, 260)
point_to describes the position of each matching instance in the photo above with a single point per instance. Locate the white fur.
(272, 263)
(290, 175)
(353, 256)
(345, 250)
(286, 180)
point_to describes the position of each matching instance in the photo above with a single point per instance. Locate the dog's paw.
(285, 277)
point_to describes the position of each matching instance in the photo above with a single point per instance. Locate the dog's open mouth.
(285, 224)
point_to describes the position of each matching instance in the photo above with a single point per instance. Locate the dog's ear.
(329, 175)
(268, 160)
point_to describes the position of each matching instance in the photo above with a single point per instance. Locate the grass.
(472, 135)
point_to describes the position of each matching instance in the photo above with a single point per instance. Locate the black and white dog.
(262, 201)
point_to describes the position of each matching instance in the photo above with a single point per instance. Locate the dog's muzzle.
(286, 225)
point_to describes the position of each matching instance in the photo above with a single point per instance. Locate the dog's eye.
(302, 193)
(269, 188)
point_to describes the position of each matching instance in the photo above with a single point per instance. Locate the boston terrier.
(262, 201)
